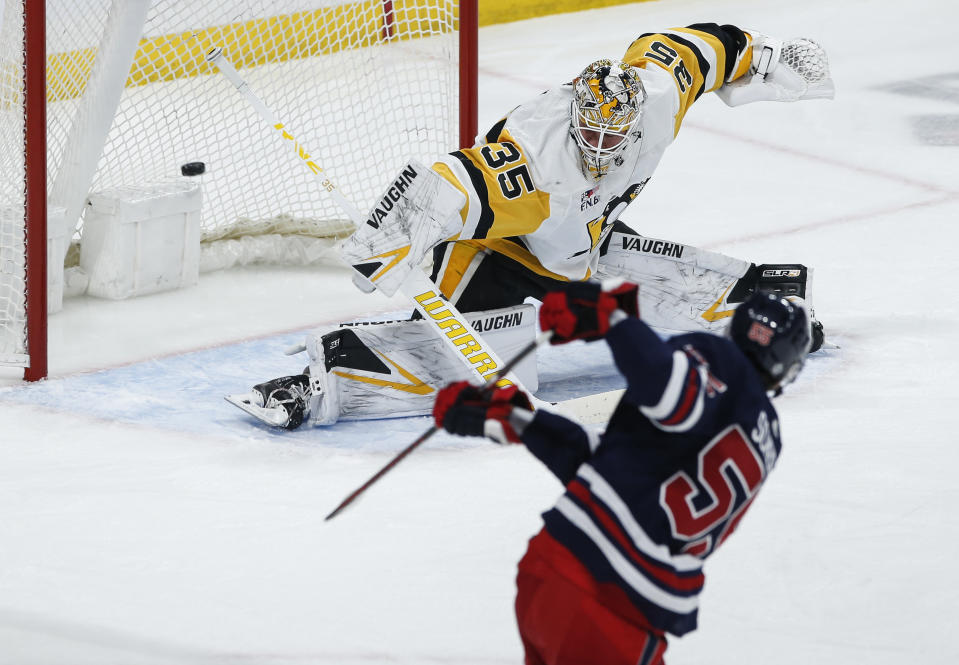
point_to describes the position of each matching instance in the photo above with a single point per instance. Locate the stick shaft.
(482, 362)
(485, 363)
(222, 63)
(490, 383)
(382, 472)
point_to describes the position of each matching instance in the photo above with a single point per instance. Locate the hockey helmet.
(774, 333)
(607, 103)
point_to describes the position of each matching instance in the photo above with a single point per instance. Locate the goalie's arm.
(698, 59)
(740, 66)
(480, 193)
(502, 200)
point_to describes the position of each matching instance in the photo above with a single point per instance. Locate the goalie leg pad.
(682, 288)
(392, 369)
(324, 407)
(789, 279)
(792, 280)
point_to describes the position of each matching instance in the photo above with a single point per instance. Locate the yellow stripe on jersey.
(460, 258)
(718, 59)
(447, 173)
(692, 68)
(521, 255)
(678, 59)
(500, 180)
(743, 61)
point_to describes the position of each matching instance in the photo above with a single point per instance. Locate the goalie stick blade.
(591, 409)
(275, 417)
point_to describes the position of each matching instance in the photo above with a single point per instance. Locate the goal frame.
(35, 158)
(35, 186)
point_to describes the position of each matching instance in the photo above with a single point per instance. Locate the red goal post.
(123, 96)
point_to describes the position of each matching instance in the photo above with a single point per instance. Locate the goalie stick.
(419, 288)
(479, 357)
(422, 438)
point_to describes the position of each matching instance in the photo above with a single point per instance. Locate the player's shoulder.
(709, 344)
(540, 128)
(719, 355)
(730, 378)
(660, 107)
(545, 106)
(657, 83)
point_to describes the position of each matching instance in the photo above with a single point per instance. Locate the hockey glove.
(500, 414)
(583, 310)
(781, 71)
(419, 210)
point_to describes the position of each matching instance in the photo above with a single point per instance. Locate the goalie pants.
(561, 623)
(475, 279)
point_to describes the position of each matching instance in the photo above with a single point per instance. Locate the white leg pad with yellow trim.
(362, 371)
(682, 288)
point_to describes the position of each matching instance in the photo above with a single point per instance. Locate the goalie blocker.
(419, 210)
(360, 371)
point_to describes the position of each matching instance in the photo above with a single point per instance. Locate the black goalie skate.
(282, 402)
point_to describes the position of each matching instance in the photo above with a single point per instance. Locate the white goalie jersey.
(527, 195)
(526, 191)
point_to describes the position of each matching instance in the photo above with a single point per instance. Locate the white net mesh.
(12, 234)
(361, 102)
(806, 58)
(363, 86)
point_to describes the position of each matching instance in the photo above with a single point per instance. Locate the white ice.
(143, 520)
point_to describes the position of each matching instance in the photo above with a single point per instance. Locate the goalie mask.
(607, 101)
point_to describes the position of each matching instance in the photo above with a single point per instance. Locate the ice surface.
(144, 520)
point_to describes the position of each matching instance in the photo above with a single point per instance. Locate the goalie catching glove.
(418, 211)
(500, 414)
(781, 71)
(587, 310)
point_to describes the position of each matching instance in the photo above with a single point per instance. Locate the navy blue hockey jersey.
(682, 457)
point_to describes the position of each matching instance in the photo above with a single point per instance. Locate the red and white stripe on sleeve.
(681, 404)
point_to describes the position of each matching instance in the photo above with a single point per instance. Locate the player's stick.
(479, 358)
(490, 383)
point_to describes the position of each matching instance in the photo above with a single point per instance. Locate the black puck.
(193, 168)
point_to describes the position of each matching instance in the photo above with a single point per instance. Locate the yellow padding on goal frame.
(506, 11)
(254, 42)
(282, 38)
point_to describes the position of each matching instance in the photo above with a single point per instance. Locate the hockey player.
(535, 204)
(618, 563)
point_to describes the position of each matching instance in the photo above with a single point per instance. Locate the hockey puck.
(193, 168)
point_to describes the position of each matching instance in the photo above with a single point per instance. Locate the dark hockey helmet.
(774, 334)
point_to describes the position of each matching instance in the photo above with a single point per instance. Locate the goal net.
(130, 98)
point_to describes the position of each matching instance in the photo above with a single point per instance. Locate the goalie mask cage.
(103, 94)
